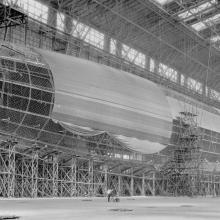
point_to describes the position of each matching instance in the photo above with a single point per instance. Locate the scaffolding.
(183, 172)
(27, 172)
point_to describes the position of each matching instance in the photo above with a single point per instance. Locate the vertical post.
(185, 83)
(51, 21)
(153, 180)
(34, 173)
(22, 176)
(156, 66)
(119, 185)
(105, 179)
(204, 89)
(73, 177)
(55, 175)
(25, 31)
(214, 190)
(118, 48)
(68, 29)
(147, 62)
(132, 183)
(107, 40)
(179, 78)
(143, 185)
(90, 187)
(11, 170)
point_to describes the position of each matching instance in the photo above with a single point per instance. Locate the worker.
(109, 194)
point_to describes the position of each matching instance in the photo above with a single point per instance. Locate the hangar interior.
(162, 52)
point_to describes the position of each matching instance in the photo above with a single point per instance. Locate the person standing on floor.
(109, 194)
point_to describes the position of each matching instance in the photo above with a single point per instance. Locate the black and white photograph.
(110, 109)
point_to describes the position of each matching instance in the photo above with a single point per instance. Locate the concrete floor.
(134, 208)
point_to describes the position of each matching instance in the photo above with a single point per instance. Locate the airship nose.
(26, 86)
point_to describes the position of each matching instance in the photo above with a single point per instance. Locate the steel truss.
(26, 173)
(46, 36)
(11, 17)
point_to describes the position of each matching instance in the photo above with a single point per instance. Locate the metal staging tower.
(182, 171)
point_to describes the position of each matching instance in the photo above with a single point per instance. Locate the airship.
(53, 98)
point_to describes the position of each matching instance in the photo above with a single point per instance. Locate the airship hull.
(104, 98)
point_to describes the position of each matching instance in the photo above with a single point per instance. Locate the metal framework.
(11, 17)
(183, 169)
(29, 174)
(185, 174)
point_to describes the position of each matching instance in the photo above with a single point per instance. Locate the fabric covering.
(99, 97)
(144, 146)
(133, 144)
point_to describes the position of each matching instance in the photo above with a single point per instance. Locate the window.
(34, 8)
(152, 65)
(140, 60)
(167, 72)
(182, 80)
(60, 21)
(133, 56)
(214, 94)
(88, 34)
(194, 85)
(113, 46)
(95, 38)
(79, 29)
(125, 157)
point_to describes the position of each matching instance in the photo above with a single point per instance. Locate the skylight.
(208, 22)
(199, 26)
(163, 2)
(214, 39)
(203, 7)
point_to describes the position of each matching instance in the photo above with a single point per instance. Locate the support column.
(213, 180)
(73, 177)
(132, 184)
(156, 66)
(185, 83)
(107, 41)
(147, 62)
(153, 180)
(90, 178)
(34, 173)
(11, 170)
(143, 186)
(118, 49)
(52, 22)
(55, 176)
(119, 186)
(105, 179)
(179, 78)
(68, 29)
(204, 90)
